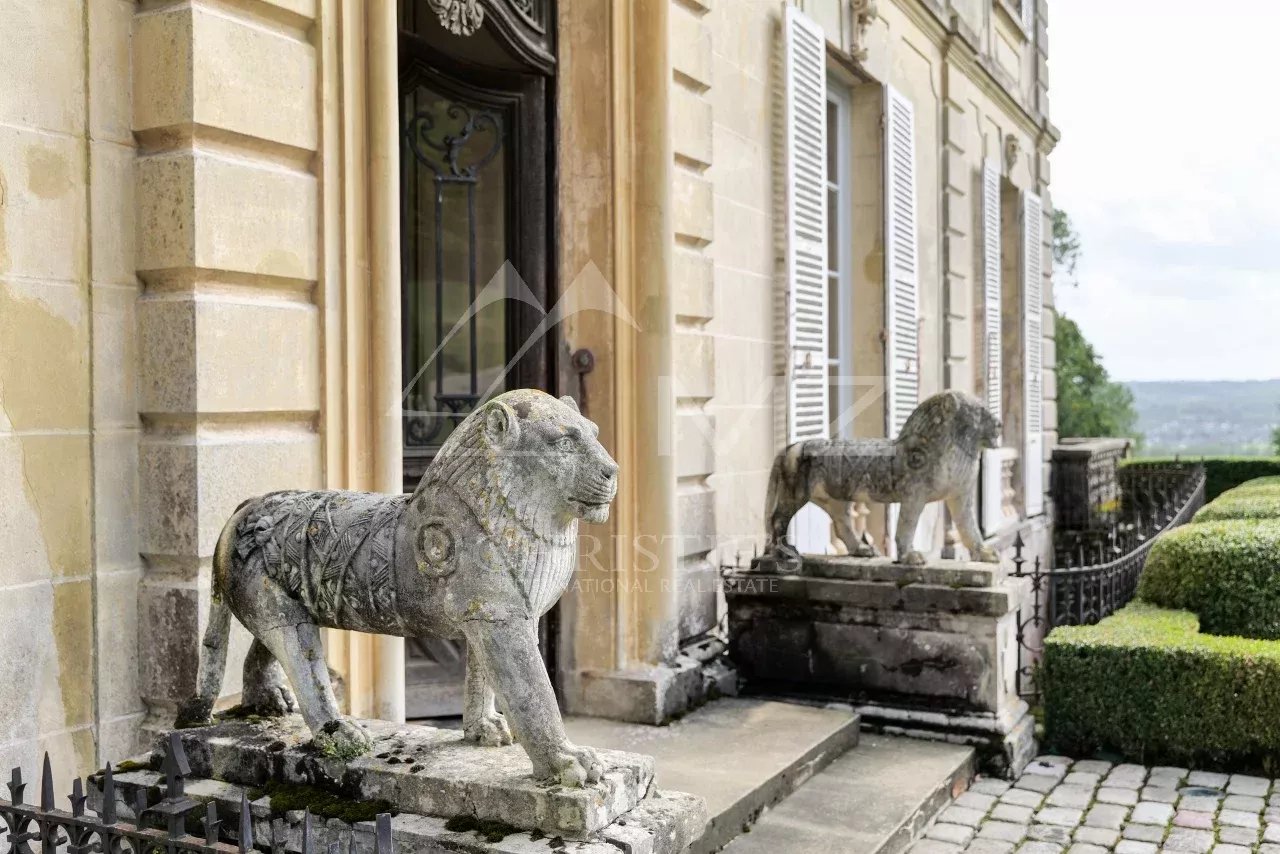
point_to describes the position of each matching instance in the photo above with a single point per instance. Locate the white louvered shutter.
(1033, 345)
(806, 255)
(992, 296)
(902, 278)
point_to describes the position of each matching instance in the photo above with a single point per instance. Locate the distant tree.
(1066, 245)
(1089, 402)
(1275, 439)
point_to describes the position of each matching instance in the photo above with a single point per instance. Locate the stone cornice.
(959, 46)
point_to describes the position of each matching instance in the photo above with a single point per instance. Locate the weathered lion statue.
(481, 550)
(935, 458)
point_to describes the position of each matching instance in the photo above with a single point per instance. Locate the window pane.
(455, 240)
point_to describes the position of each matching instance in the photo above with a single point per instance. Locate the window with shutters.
(902, 284)
(1033, 345)
(993, 299)
(806, 271)
(839, 260)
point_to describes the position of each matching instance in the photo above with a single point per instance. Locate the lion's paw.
(342, 739)
(986, 554)
(865, 549)
(489, 731)
(271, 701)
(912, 558)
(571, 766)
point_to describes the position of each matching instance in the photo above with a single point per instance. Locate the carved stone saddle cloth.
(334, 551)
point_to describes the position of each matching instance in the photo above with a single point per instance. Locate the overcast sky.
(1169, 167)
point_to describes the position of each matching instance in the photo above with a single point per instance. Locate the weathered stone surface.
(482, 550)
(936, 454)
(926, 657)
(422, 770)
(663, 823)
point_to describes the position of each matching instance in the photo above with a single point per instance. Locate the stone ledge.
(421, 770)
(663, 823)
(946, 573)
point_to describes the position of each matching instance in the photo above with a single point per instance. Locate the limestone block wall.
(693, 286)
(68, 429)
(225, 111)
(744, 326)
(159, 342)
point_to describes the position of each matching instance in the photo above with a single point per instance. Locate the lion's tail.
(782, 478)
(213, 651)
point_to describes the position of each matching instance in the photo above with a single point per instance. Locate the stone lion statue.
(934, 459)
(481, 550)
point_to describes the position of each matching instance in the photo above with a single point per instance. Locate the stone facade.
(199, 301)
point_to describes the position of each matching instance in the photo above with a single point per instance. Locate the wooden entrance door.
(476, 165)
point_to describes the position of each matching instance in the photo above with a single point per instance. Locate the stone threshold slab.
(741, 754)
(420, 770)
(663, 823)
(941, 573)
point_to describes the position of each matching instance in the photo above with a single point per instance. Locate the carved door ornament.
(864, 12)
(1012, 148)
(460, 17)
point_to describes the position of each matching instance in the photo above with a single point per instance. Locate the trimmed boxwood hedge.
(1146, 684)
(1227, 572)
(1222, 473)
(1254, 499)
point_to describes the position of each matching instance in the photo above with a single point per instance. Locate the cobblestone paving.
(1089, 807)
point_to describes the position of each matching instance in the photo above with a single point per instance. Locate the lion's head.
(955, 418)
(535, 454)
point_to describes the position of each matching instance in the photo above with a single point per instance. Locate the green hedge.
(1227, 572)
(1222, 473)
(1254, 499)
(1146, 684)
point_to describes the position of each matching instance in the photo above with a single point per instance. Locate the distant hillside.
(1207, 417)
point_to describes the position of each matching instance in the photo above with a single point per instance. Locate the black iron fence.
(1095, 572)
(159, 828)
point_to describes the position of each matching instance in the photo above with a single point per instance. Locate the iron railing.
(1095, 572)
(156, 829)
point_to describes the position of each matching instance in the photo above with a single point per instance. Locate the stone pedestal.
(929, 650)
(445, 795)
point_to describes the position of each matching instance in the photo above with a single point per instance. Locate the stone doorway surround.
(268, 250)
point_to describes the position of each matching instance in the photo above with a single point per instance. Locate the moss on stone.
(322, 803)
(130, 765)
(491, 829)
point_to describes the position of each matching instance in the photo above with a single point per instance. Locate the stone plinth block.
(918, 649)
(663, 823)
(421, 770)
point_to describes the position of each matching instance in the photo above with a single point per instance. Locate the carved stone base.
(663, 823)
(431, 774)
(930, 650)
(654, 695)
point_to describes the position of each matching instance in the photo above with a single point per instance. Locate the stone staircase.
(785, 778)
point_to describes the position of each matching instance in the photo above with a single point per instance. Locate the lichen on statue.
(481, 550)
(935, 457)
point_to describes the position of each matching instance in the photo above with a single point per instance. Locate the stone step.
(875, 799)
(741, 755)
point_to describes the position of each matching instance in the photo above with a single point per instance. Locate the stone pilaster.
(694, 298)
(225, 112)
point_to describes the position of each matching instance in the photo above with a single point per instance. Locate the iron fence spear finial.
(108, 811)
(77, 798)
(211, 824)
(382, 841)
(46, 785)
(246, 824)
(16, 786)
